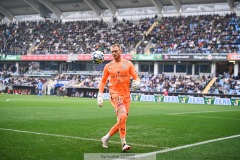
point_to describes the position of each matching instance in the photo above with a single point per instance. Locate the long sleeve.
(134, 73)
(104, 79)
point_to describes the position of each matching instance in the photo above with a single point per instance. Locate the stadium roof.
(45, 8)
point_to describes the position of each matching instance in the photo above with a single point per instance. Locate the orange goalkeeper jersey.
(118, 74)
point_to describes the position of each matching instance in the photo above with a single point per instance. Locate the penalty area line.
(10, 100)
(185, 146)
(73, 137)
(202, 112)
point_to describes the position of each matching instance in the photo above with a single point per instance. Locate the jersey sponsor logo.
(119, 76)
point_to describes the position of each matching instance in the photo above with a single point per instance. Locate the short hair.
(117, 45)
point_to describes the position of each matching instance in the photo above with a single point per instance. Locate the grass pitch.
(64, 128)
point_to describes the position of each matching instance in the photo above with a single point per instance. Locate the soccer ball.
(97, 57)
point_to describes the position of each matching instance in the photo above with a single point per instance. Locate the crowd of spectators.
(226, 84)
(196, 34)
(16, 38)
(76, 37)
(173, 83)
(7, 82)
(181, 34)
(149, 83)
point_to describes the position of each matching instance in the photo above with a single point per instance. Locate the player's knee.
(123, 117)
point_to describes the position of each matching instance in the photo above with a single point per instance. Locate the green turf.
(51, 127)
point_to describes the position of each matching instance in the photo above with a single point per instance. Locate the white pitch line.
(203, 112)
(215, 118)
(10, 100)
(73, 137)
(185, 146)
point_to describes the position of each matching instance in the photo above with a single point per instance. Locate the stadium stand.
(191, 34)
(172, 35)
(196, 34)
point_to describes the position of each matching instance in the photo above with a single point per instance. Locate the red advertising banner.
(64, 57)
(233, 57)
(125, 56)
(53, 57)
(84, 57)
(107, 57)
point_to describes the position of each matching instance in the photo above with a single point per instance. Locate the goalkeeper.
(119, 73)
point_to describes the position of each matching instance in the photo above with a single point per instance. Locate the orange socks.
(122, 124)
(119, 126)
(114, 130)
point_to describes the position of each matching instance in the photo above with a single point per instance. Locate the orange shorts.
(119, 101)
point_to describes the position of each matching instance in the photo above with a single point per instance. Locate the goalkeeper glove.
(135, 85)
(100, 99)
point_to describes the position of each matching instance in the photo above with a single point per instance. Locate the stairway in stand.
(209, 85)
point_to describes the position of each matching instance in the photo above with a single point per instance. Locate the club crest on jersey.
(118, 72)
(123, 67)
